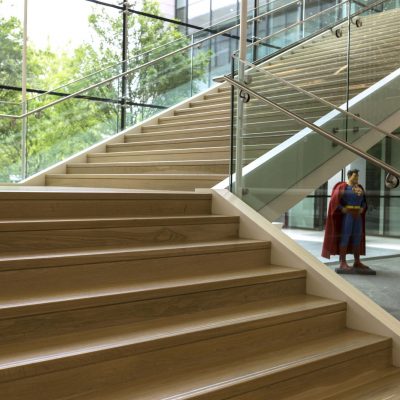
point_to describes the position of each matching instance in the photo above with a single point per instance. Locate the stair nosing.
(57, 259)
(98, 223)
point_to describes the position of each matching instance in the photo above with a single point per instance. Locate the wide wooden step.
(220, 367)
(333, 379)
(378, 387)
(224, 107)
(178, 282)
(37, 236)
(97, 345)
(34, 203)
(191, 132)
(137, 181)
(172, 125)
(208, 153)
(220, 138)
(189, 166)
(206, 115)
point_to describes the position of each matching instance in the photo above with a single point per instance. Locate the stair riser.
(334, 377)
(97, 205)
(103, 316)
(174, 125)
(162, 364)
(199, 116)
(178, 134)
(203, 116)
(220, 103)
(151, 169)
(36, 282)
(49, 239)
(189, 183)
(225, 108)
(212, 154)
(188, 127)
(192, 144)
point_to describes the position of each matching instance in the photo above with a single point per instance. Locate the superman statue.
(345, 225)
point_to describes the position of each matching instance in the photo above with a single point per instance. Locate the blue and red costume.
(345, 232)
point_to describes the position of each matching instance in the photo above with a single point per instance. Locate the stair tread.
(140, 176)
(58, 258)
(201, 121)
(155, 163)
(246, 366)
(385, 388)
(56, 193)
(271, 312)
(174, 285)
(173, 141)
(89, 223)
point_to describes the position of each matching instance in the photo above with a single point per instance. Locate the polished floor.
(383, 255)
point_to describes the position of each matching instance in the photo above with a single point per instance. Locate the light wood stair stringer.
(362, 313)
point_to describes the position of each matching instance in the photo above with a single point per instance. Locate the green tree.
(10, 75)
(164, 83)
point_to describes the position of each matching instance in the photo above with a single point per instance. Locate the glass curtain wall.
(208, 12)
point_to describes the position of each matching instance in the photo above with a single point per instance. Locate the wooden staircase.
(191, 149)
(117, 295)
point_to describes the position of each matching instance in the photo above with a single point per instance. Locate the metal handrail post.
(24, 101)
(240, 105)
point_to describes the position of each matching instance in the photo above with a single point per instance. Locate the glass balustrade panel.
(374, 64)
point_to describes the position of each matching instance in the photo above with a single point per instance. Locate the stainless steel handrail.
(373, 160)
(130, 71)
(326, 102)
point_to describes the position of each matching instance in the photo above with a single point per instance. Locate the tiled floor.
(383, 255)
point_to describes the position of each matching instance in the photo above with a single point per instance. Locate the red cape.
(333, 226)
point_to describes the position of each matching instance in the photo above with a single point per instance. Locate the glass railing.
(354, 230)
(318, 92)
(305, 120)
(306, 103)
(302, 121)
(374, 61)
(278, 148)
